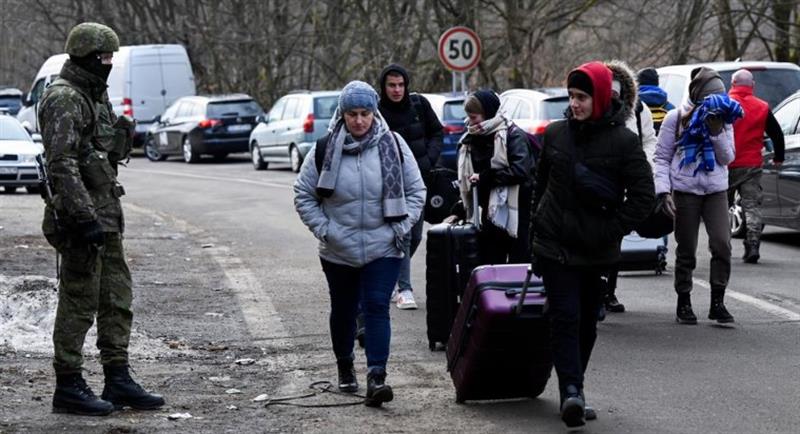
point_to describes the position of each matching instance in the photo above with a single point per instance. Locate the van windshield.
(233, 109)
(772, 85)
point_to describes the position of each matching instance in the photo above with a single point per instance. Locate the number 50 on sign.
(460, 49)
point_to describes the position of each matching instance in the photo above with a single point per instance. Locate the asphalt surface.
(648, 374)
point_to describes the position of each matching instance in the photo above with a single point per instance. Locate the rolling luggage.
(642, 254)
(442, 194)
(500, 344)
(452, 254)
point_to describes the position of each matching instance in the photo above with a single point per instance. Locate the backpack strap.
(322, 143)
(639, 109)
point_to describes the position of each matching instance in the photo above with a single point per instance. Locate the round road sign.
(460, 49)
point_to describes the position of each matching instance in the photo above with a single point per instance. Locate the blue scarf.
(696, 142)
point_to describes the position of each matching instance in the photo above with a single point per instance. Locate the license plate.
(239, 128)
(8, 170)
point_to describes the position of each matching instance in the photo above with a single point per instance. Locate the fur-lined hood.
(627, 79)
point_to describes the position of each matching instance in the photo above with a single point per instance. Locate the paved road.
(648, 374)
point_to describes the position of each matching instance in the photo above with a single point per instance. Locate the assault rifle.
(46, 188)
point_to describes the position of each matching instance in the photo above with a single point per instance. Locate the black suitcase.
(643, 254)
(452, 254)
(442, 194)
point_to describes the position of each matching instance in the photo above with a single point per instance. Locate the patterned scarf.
(696, 142)
(340, 141)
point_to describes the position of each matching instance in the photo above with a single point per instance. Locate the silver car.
(292, 126)
(533, 110)
(17, 157)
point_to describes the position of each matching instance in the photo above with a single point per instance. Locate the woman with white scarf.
(495, 157)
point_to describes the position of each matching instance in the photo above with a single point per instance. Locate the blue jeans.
(372, 286)
(410, 243)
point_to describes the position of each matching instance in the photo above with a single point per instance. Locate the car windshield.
(454, 111)
(554, 108)
(10, 129)
(233, 108)
(10, 101)
(772, 85)
(325, 106)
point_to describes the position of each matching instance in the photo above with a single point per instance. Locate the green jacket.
(77, 126)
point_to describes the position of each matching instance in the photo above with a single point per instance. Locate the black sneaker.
(347, 377)
(122, 391)
(378, 391)
(573, 407)
(589, 413)
(718, 312)
(684, 313)
(74, 396)
(613, 305)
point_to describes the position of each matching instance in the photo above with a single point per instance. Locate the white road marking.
(211, 178)
(755, 302)
(262, 319)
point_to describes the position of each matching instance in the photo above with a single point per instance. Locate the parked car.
(532, 110)
(197, 125)
(775, 81)
(10, 100)
(780, 184)
(292, 126)
(17, 157)
(144, 81)
(450, 110)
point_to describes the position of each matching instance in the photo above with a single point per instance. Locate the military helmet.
(87, 38)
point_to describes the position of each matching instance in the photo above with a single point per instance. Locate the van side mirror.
(37, 138)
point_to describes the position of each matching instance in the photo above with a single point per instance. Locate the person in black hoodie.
(593, 186)
(411, 116)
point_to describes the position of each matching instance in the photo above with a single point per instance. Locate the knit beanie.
(489, 101)
(358, 95)
(647, 76)
(705, 81)
(580, 80)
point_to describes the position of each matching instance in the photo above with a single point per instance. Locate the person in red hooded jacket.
(744, 173)
(593, 186)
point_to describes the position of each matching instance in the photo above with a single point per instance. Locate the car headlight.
(29, 158)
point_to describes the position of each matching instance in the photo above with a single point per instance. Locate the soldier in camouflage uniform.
(84, 141)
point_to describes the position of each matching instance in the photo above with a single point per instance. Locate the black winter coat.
(419, 126)
(567, 227)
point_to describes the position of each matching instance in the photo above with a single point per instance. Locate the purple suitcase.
(499, 348)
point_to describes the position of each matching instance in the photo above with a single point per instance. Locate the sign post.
(459, 51)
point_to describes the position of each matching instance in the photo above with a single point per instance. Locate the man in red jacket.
(744, 173)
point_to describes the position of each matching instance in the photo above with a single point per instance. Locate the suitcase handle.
(524, 291)
(476, 213)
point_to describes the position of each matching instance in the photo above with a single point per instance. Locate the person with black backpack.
(410, 115)
(653, 96)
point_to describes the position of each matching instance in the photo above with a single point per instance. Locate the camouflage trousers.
(95, 282)
(747, 181)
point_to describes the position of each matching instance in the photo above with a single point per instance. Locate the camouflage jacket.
(77, 126)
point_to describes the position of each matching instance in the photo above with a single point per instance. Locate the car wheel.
(190, 154)
(295, 159)
(151, 151)
(33, 189)
(255, 156)
(10, 189)
(737, 218)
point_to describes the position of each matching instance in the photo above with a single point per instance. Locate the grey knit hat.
(358, 94)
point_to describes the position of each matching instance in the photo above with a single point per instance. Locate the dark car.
(450, 110)
(780, 184)
(203, 125)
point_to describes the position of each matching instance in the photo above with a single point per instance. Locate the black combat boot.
(612, 304)
(122, 391)
(573, 406)
(684, 312)
(717, 310)
(378, 391)
(73, 395)
(751, 255)
(347, 376)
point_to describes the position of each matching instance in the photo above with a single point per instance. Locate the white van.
(144, 81)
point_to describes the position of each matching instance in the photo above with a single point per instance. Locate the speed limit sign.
(460, 49)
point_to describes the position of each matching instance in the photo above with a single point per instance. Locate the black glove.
(715, 124)
(91, 232)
